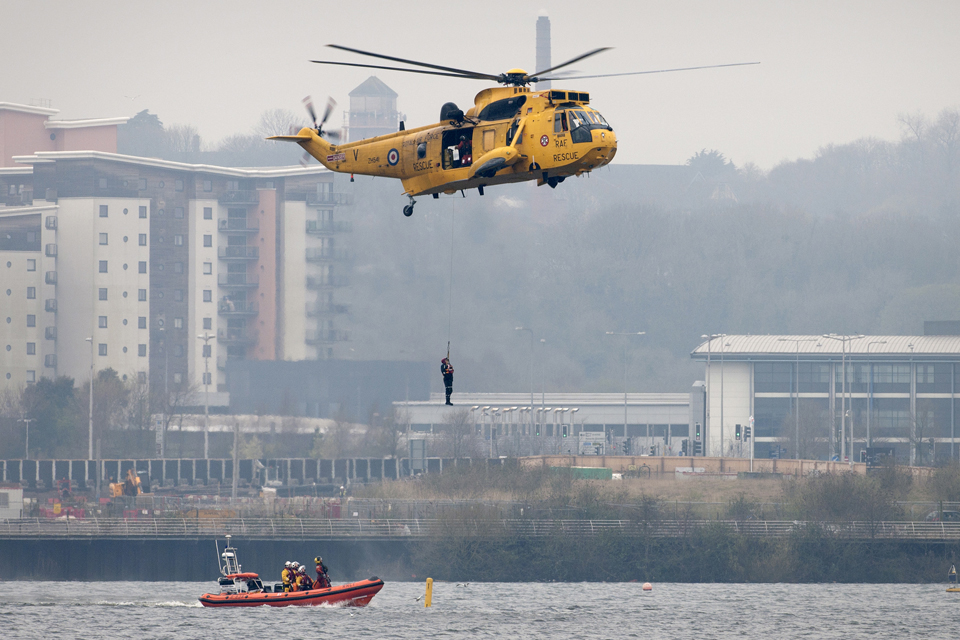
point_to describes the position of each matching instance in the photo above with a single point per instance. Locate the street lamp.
(26, 447)
(796, 442)
(90, 424)
(206, 337)
(531, 365)
(870, 390)
(625, 344)
(843, 396)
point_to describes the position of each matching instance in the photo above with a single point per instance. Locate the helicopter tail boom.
(311, 143)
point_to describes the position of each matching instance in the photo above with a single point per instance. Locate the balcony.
(50, 333)
(238, 280)
(327, 254)
(229, 308)
(51, 251)
(243, 196)
(237, 337)
(329, 198)
(330, 282)
(20, 199)
(238, 252)
(238, 225)
(50, 305)
(316, 227)
(327, 337)
(51, 222)
(326, 309)
(50, 277)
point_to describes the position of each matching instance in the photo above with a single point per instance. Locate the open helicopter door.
(457, 148)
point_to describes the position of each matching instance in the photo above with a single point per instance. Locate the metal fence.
(347, 528)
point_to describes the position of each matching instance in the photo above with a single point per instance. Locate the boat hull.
(355, 594)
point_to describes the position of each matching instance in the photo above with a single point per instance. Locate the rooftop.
(373, 86)
(766, 346)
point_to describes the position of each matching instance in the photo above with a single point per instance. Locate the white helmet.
(287, 564)
(295, 564)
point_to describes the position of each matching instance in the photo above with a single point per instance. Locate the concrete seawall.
(194, 559)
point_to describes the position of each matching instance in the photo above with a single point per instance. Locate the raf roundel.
(393, 157)
(544, 140)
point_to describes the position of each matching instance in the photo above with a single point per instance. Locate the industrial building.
(899, 392)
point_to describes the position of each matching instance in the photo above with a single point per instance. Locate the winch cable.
(453, 213)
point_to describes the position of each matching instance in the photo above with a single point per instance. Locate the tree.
(457, 433)
(710, 164)
(171, 404)
(279, 122)
(142, 135)
(55, 431)
(182, 139)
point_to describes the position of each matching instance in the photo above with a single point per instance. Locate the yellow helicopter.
(510, 134)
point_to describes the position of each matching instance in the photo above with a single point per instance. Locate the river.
(147, 610)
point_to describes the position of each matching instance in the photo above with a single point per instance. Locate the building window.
(208, 295)
(143, 184)
(31, 293)
(142, 322)
(178, 295)
(208, 240)
(208, 213)
(178, 185)
(142, 350)
(31, 264)
(142, 377)
(31, 348)
(31, 320)
(142, 266)
(208, 187)
(207, 378)
(103, 184)
(102, 293)
(103, 207)
(143, 212)
(207, 268)
(207, 324)
(142, 295)
(207, 350)
(177, 378)
(143, 239)
(31, 376)
(178, 213)
(178, 240)
(103, 266)
(178, 323)
(178, 351)
(102, 322)
(102, 349)
(178, 267)
(103, 238)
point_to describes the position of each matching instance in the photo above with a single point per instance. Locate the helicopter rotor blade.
(308, 103)
(640, 73)
(429, 73)
(331, 103)
(463, 72)
(568, 62)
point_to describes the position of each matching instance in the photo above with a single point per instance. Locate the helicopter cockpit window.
(579, 127)
(422, 150)
(560, 122)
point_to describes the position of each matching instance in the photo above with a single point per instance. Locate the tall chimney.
(543, 47)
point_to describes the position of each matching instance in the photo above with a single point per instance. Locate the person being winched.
(446, 369)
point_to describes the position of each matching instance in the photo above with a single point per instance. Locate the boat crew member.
(446, 370)
(323, 580)
(295, 570)
(305, 582)
(287, 576)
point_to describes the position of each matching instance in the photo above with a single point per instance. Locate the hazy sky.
(831, 72)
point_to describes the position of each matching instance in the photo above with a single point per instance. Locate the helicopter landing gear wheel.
(408, 210)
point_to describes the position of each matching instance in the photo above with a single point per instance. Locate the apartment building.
(146, 256)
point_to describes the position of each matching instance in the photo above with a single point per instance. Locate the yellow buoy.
(647, 586)
(428, 599)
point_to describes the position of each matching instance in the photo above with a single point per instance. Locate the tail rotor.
(331, 103)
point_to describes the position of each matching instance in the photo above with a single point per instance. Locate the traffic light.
(627, 449)
(698, 432)
(564, 431)
(747, 432)
(697, 448)
(683, 447)
(737, 433)
(653, 449)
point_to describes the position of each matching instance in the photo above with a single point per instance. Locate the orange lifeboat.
(245, 589)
